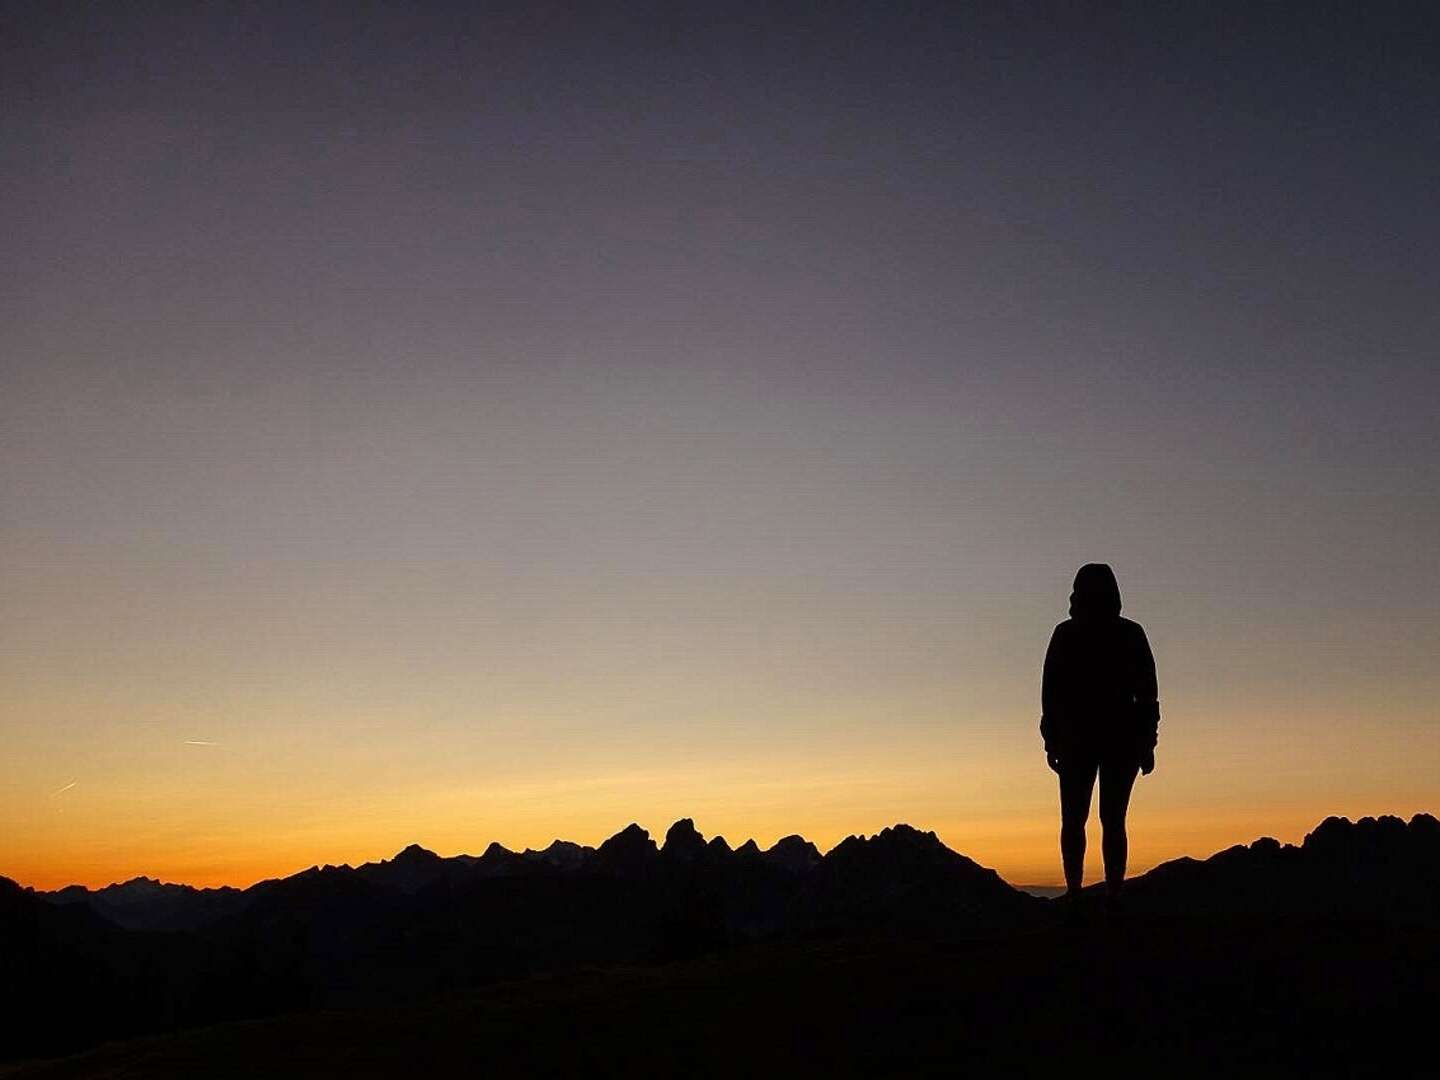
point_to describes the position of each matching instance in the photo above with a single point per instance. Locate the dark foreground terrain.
(888, 954)
(1205, 997)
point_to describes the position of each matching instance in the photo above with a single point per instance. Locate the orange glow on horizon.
(1023, 851)
(270, 784)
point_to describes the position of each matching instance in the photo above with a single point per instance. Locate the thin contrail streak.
(200, 742)
(67, 787)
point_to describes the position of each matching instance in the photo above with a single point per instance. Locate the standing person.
(1099, 717)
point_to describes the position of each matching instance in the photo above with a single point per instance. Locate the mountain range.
(143, 956)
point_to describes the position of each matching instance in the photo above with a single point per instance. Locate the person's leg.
(1077, 781)
(1117, 780)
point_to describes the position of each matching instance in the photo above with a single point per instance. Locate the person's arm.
(1050, 708)
(1147, 700)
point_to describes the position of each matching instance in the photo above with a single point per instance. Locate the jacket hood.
(1096, 595)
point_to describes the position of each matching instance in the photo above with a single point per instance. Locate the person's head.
(1096, 595)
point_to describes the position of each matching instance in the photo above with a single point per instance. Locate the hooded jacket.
(1098, 693)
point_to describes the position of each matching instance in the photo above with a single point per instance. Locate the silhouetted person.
(1099, 716)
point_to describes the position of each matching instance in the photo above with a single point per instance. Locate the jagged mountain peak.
(631, 834)
(793, 853)
(898, 836)
(141, 883)
(561, 854)
(794, 840)
(628, 851)
(1342, 830)
(683, 840)
(327, 870)
(557, 847)
(901, 855)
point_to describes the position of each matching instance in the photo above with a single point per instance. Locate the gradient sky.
(502, 422)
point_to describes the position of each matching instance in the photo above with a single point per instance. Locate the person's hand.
(1053, 760)
(1147, 762)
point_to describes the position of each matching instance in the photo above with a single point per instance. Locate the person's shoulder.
(1131, 627)
(1064, 635)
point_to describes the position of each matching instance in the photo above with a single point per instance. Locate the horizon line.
(660, 844)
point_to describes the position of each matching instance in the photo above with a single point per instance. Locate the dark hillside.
(1167, 997)
(419, 929)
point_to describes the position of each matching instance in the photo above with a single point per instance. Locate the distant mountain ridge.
(143, 903)
(1377, 867)
(143, 955)
(1254, 876)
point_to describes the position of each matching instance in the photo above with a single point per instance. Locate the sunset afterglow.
(420, 446)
